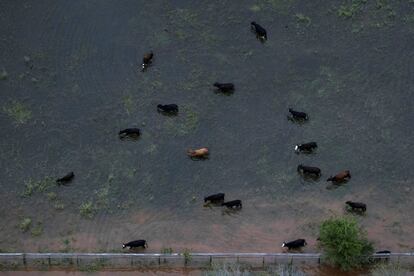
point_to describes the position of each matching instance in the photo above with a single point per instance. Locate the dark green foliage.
(344, 242)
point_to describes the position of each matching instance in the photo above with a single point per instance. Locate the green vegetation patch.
(344, 243)
(37, 230)
(87, 210)
(303, 19)
(25, 224)
(18, 112)
(32, 186)
(352, 8)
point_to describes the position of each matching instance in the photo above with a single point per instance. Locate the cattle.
(340, 177)
(198, 153)
(171, 109)
(67, 178)
(234, 204)
(224, 87)
(259, 30)
(216, 198)
(357, 206)
(308, 147)
(297, 115)
(147, 60)
(296, 244)
(135, 244)
(129, 132)
(306, 170)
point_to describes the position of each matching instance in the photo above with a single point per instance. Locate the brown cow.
(340, 177)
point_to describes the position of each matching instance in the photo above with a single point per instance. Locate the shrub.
(87, 210)
(344, 243)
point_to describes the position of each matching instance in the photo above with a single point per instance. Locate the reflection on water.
(82, 84)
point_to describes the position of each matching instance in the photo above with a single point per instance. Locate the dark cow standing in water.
(216, 198)
(129, 132)
(224, 87)
(67, 178)
(294, 244)
(308, 147)
(147, 60)
(135, 244)
(306, 170)
(234, 204)
(171, 109)
(297, 115)
(259, 30)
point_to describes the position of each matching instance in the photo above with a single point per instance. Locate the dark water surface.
(63, 105)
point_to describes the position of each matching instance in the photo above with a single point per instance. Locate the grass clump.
(25, 224)
(344, 242)
(389, 270)
(3, 74)
(187, 256)
(303, 19)
(18, 112)
(37, 230)
(348, 11)
(87, 210)
(166, 250)
(59, 206)
(51, 196)
(32, 186)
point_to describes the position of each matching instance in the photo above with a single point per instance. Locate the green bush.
(344, 242)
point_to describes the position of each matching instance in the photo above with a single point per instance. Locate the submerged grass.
(18, 112)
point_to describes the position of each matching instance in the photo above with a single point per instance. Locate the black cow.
(147, 60)
(67, 178)
(383, 252)
(224, 87)
(135, 244)
(259, 30)
(216, 198)
(306, 170)
(308, 147)
(294, 244)
(297, 115)
(171, 109)
(129, 132)
(234, 204)
(357, 206)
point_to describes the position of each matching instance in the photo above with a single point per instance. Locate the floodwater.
(70, 79)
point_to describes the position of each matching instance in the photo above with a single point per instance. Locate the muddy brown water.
(82, 84)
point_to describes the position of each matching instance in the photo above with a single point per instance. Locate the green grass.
(3, 74)
(51, 196)
(167, 250)
(32, 186)
(303, 19)
(350, 10)
(18, 112)
(87, 210)
(187, 255)
(390, 269)
(59, 206)
(25, 224)
(37, 230)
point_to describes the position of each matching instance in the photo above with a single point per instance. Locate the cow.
(297, 115)
(135, 244)
(234, 204)
(216, 198)
(67, 178)
(224, 87)
(171, 109)
(259, 30)
(306, 170)
(296, 244)
(129, 132)
(147, 60)
(198, 153)
(308, 147)
(340, 177)
(357, 206)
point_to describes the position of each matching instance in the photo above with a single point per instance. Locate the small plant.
(350, 10)
(51, 196)
(18, 112)
(187, 255)
(25, 224)
(87, 210)
(166, 250)
(59, 206)
(344, 243)
(37, 230)
(3, 74)
(301, 18)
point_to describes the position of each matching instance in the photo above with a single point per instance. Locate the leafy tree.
(344, 242)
